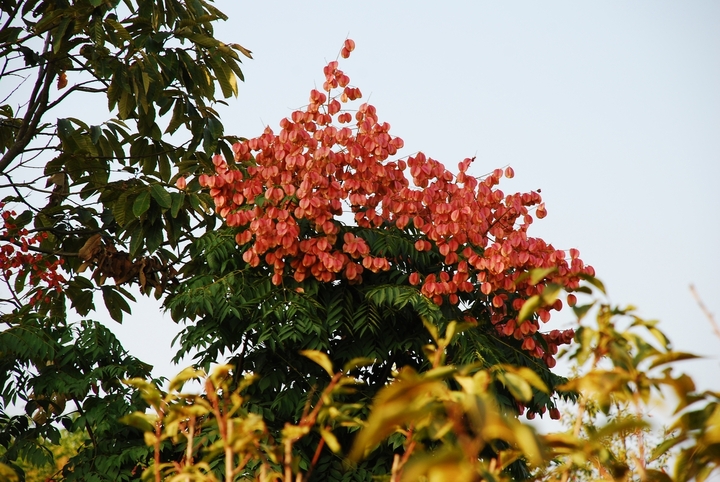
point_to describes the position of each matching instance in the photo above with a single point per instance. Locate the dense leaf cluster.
(416, 330)
(95, 193)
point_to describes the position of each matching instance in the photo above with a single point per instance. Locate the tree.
(84, 202)
(431, 297)
(289, 273)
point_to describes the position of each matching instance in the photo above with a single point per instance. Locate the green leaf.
(200, 39)
(119, 210)
(95, 133)
(64, 129)
(136, 241)
(126, 104)
(581, 310)
(21, 280)
(161, 196)
(141, 204)
(59, 34)
(153, 236)
(178, 198)
(178, 117)
(654, 475)
(119, 29)
(224, 76)
(115, 303)
(242, 50)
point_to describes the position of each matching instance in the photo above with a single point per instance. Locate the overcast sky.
(611, 108)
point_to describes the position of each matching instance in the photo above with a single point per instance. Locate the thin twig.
(710, 317)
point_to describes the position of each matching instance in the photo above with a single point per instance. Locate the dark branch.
(36, 109)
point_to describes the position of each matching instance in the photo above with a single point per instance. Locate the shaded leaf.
(161, 196)
(141, 204)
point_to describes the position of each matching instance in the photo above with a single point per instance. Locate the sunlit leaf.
(139, 420)
(189, 373)
(529, 307)
(516, 385)
(330, 440)
(671, 357)
(320, 358)
(593, 281)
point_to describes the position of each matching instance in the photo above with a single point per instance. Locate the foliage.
(427, 290)
(435, 253)
(62, 451)
(628, 366)
(91, 199)
(288, 273)
(448, 422)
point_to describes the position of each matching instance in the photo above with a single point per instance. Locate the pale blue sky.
(611, 108)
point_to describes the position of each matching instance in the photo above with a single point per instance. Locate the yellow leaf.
(320, 358)
(330, 440)
(188, 373)
(518, 387)
(528, 442)
(6, 473)
(294, 432)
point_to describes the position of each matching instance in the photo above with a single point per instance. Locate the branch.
(7, 97)
(21, 40)
(87, 425)
(710, 317)
(65, 232)
(36, 109)
(15, 300)
(14, 72)
(89, 70)
(38, 250)
(76, 88)
(10, 19)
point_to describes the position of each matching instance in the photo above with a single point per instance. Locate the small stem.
(395, 468)
(582, 402)
(190, 437)
(710, 317)
(229, 469)
(87, 425)
(158, 432)
(287, 461)
(640, 459)
(242, 464)
(315, 458)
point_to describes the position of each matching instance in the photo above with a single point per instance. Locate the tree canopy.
(85, 202)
